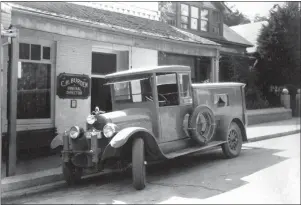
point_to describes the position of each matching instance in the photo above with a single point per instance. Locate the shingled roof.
(113, 20)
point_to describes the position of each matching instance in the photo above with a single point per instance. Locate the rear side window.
(184, 86)
(221, 100)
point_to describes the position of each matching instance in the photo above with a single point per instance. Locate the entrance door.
(102, 64)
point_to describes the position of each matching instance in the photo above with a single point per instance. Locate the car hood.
(130, 117)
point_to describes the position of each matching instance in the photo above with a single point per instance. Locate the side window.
(184, 85)
(221, 100)
(167, 89)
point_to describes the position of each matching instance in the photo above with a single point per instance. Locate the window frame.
(204, 19)
(188, 16)
(184, 100)
(216, 24)
(197, 19)
(45, 122)
(131, 94)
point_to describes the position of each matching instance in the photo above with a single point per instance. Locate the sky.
(250, 9)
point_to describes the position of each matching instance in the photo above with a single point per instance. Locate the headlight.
(91, 119)
(109, 130)
(74, 132)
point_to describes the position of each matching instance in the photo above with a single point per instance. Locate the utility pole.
(13, 44)
(1, 94)
(12, 112)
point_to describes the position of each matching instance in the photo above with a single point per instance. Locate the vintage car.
(158, 114)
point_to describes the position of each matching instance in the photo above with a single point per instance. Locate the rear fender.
(125, 135)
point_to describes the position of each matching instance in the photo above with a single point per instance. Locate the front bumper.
(81, 158)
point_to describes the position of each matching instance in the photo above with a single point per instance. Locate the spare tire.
(202, 124)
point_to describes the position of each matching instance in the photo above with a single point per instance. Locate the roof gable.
(232, 36)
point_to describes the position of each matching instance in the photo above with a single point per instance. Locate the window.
(216, 22)
(138, 90)
(204, 19)
(184, 16)
(194, 18)
(167, 89)
(184, 84)
(103, 63)
(34, 90)
(168, 12)
(34, 82)
(221, 100)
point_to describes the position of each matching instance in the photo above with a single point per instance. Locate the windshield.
(138, 90)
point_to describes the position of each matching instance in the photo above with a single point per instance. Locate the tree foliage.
(279, 47)
(235, 18)
(238, 69)
(259, 18)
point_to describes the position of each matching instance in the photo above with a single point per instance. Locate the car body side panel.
(233, 109)
(171, 122)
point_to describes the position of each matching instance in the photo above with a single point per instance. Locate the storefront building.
(58, 41)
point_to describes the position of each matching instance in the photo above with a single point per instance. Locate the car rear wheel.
(232, 147)
(71, 173)
(138, 165)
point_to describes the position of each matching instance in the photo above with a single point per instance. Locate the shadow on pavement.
(199, 176)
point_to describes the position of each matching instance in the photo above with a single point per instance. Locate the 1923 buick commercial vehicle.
(158, 114)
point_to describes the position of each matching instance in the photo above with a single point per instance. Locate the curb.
(271, 136)
(52, 181)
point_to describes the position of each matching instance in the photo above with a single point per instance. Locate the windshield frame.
(130, 80)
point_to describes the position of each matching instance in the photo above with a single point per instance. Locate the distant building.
(204, 19)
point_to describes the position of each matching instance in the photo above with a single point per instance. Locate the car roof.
(149, 70)
(217, 85)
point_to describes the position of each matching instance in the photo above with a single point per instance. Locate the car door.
(174, 94)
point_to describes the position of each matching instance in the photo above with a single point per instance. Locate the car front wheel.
(233, 145)
(71, 173)
(138, 165)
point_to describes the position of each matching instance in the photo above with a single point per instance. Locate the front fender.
(124, 135)
(57, 141)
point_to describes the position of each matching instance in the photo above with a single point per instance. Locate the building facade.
(60, 39)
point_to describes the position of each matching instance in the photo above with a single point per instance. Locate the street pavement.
(267, 171)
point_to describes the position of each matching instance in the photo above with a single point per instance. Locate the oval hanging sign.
(73, 86)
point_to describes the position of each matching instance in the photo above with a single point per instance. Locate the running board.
(191, 150)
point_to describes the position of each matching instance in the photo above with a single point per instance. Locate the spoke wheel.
(232, 147)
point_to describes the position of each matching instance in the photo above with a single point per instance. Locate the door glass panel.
(167, 89)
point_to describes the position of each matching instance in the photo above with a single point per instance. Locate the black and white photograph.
(150, 102)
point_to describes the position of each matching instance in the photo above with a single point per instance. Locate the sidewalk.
(52, 170)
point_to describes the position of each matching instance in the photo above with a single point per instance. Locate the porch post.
(212, 73)
(12, 112)
(215, 69)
